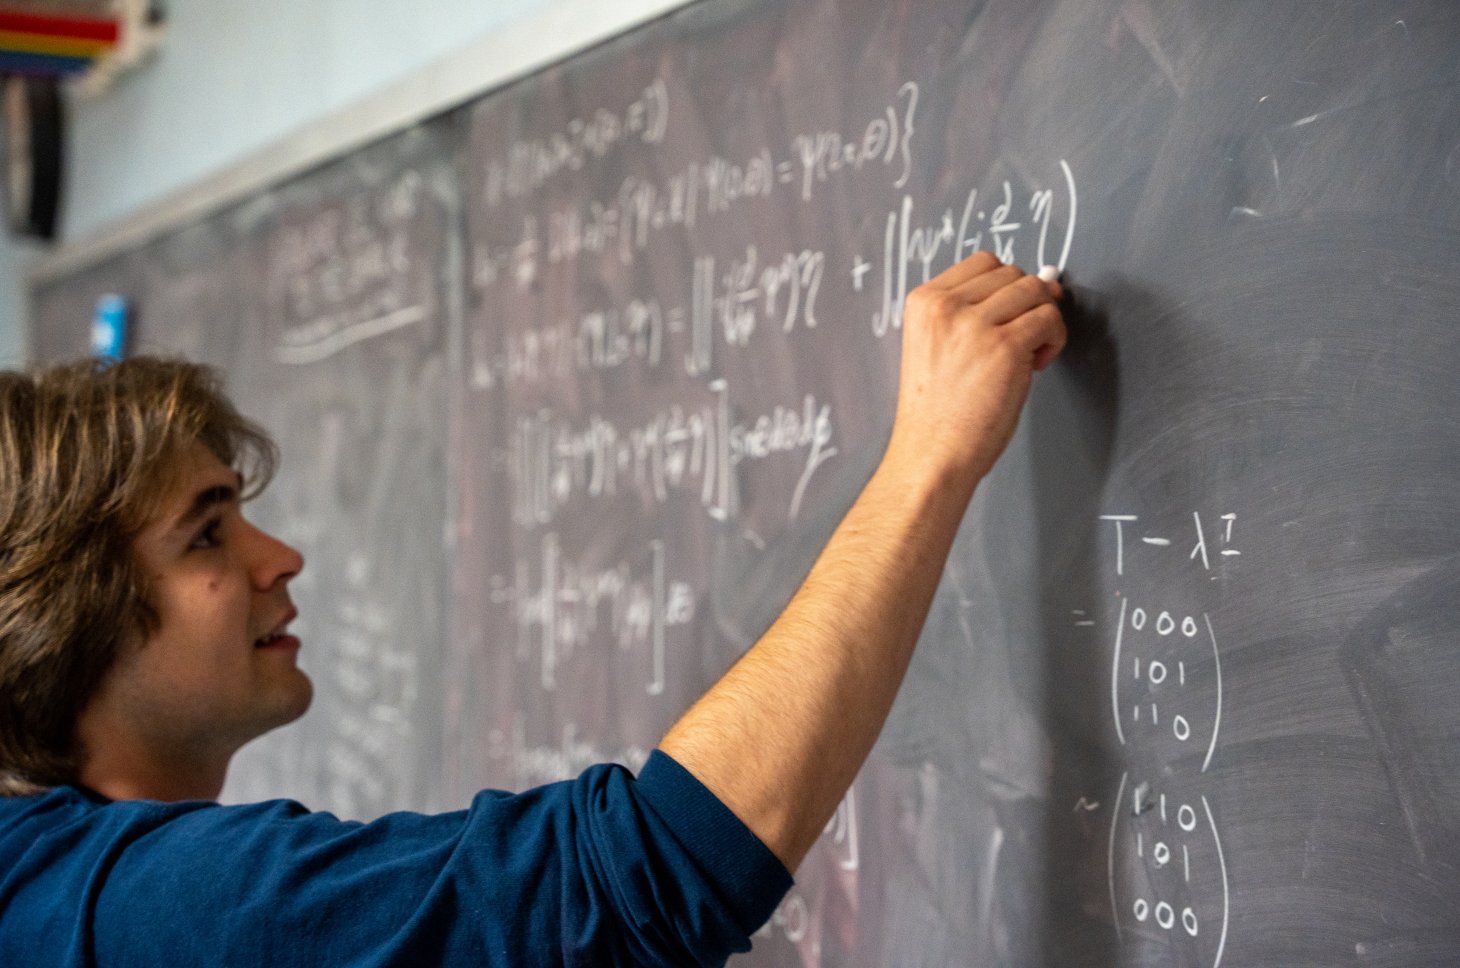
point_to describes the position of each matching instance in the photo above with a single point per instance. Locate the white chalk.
(1050, 273)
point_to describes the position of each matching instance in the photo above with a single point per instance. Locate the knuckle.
(930, 301)
(984, 317)
(1010, 348)
(1033, 285)
(916, 301)
(1007, 275)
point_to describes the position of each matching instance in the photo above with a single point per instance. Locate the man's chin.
(293, 700)
(304, 697)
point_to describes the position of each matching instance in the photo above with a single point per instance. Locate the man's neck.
(119, 768)
(149, 785)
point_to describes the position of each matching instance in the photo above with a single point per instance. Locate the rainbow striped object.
(50, 46)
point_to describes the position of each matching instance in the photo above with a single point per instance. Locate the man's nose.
(274, 561)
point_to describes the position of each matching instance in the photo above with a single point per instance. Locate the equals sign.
(676, 319)
(785, 172)
(1080, 620)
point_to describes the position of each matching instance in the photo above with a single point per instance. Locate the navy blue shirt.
(601, 870)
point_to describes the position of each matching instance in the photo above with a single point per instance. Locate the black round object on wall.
(34, 126)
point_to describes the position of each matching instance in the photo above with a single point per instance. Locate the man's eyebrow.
(205, 501)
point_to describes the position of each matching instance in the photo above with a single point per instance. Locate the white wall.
(14, 339)
(231, 79)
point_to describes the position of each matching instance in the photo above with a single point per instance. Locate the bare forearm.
(782, 735)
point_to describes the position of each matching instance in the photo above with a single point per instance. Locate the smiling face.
(219, 669)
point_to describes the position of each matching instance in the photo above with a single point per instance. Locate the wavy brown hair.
(88, 453)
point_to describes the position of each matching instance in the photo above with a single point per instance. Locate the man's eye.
(208, 537)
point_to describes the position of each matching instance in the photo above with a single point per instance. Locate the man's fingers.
(1000, 295)
(1015, 299)
(970, 268)
(978, 288)
(1041, 331)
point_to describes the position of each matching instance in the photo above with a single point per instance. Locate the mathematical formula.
(910, 246)
(344, 275)
(644, 207)
(1168, 878)
(564, 604)
(693, 450)
(727, 305)
(529, 164)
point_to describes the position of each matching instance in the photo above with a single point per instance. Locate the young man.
(144, 639)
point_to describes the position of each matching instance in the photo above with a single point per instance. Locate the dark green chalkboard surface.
(573, 381)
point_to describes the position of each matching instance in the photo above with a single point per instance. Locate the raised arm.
(781, 736)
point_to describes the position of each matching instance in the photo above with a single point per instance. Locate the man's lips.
(279, 638)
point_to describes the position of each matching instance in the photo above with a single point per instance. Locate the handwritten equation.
(556, 462)
(911, 249)
(730, 301)
(530, 163)
(727, 305)
(1167, 871)
(560, 608)
(377, 685)
(643, 207)
(344, 273)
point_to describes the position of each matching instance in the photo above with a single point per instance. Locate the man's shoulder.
(72, 818)
(64, 818)
(50, 845)
(56, 806)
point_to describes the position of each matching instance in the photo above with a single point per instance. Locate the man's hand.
(781, 736)
(972, 339)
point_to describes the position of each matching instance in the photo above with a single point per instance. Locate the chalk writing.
(1167, 868)
(1157, 677)
(376, 684)
(531, 163)
(598, 341)
(886, 141)
(678, 450)
(1177, 859)
(913, 250)
(566, 603)
(1223, 544)
(711, 186)
(733, 302)
(727, 307)
(842, 834)
(343, 274)
(691, 453)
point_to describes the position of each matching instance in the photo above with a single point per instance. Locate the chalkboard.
(574, 381)
(326, 304)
